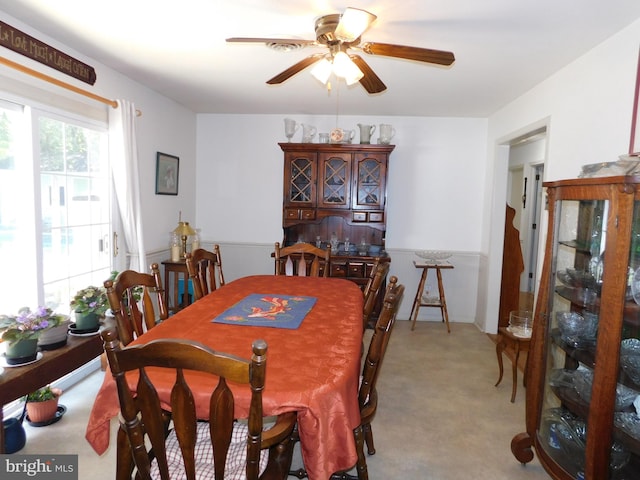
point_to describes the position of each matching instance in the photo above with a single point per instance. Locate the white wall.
(587, 109)
(164, 126)
(435, 192)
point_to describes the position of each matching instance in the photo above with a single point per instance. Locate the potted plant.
(21, 332)
(55, 337)
(89, 305)
(42, 405)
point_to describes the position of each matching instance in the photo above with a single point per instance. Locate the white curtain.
(123, 151)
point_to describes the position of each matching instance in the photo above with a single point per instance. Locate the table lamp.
(184, 230)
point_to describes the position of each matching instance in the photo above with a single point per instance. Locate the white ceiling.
(178, 48)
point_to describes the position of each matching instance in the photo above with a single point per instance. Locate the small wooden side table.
(440, 302)
(172, 273)
(512, 345)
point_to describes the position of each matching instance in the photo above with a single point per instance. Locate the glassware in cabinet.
(580, 401)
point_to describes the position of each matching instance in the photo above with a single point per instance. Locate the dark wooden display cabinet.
(341, 190)
(580, 414)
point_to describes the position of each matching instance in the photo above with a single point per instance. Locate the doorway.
(527, 155)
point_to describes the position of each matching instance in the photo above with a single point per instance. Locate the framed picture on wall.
(634, 143)
(167, 169)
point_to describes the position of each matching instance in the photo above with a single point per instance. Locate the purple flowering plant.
(90, 300)
(28, 324)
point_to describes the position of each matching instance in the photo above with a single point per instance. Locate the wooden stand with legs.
(421, 301)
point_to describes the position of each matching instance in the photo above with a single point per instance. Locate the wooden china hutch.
(340, 191)
(583, 384)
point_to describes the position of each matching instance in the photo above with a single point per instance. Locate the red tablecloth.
(312, 370)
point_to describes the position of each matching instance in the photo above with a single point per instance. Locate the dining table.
(313, 329)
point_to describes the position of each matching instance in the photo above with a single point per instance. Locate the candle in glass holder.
(175, 247)
(195, 243)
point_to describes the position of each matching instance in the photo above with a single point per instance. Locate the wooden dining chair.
(372, 288)
(205, 271)
(367, 393)
(302, 259)
(371, 276)
(172, 443)
(132, 296)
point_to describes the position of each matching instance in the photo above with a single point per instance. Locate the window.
(55, 215)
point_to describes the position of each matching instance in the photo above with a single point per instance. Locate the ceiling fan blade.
(295, 68)
(285, 41)
(371, 82)
(439, 57)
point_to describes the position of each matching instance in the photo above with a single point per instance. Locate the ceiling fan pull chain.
(337, 102)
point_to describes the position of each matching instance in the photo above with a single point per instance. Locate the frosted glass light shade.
(344, 67)
(353, 23)
(322, 70)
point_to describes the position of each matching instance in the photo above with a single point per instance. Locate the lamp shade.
(344, 67)
(322, 70)
(353, 23)
(184, 229)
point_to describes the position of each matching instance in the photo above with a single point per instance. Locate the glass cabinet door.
(626, 419)
(335, 184)
(300, 180)
(574, 323)
(370, 188)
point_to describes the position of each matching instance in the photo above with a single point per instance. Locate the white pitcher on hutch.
(386, 134)
(365, 133)
(308, 132)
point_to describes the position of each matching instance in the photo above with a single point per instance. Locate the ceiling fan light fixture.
(353, 23)
(322, 71)
(344, 67)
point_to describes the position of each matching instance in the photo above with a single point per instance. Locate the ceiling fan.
(340, 33)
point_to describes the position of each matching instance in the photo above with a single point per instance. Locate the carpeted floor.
(439, 416)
